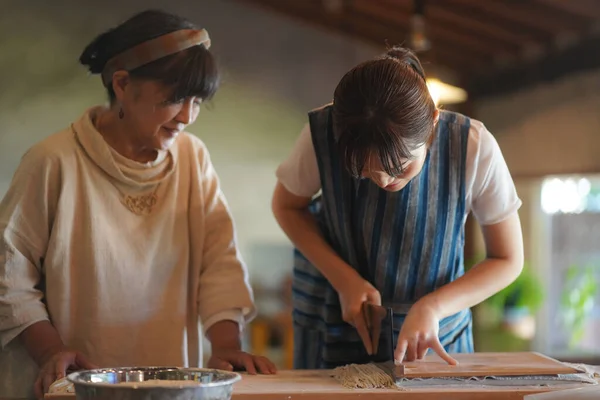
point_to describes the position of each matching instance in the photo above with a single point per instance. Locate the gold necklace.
(140, 204)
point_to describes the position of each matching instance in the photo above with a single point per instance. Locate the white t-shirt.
(490, 190)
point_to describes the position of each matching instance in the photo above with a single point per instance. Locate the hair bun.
(399, 53)
(407, 56)
(94, 56)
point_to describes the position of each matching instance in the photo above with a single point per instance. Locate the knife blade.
(379, 323)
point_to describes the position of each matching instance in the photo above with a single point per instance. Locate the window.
(571, 209)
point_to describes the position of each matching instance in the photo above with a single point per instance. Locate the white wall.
(552, 128)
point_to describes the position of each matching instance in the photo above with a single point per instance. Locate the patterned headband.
(154, 49)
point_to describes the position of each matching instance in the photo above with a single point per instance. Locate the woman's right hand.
(353, 293)
(56, 366)
(291, 212)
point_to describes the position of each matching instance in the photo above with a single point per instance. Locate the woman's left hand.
(419, 333)
(230, 359)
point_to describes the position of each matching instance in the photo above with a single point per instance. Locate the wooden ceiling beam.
(473, 11)
(582, 56)
(386, 12)
(473, 15)
(506, 20)
(584, 8)
(526, 14)
(376, 33)
(436, 13)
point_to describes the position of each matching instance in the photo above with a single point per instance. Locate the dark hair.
(382, 107)
(191, 72)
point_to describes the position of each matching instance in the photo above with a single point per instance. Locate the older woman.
(398, 178)
(116, 242)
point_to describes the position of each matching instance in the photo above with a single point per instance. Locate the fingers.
(61, 365)
(47, 379)
(265, 366)
(49, 373)
(439, 349)
(416, 349)
(411, 349)
(422, 349)
(352, 300)
(251, 364)
(374, 297)
(361, 327)
(350, 314)
(257, 364)
(82, 362)
(248, 362)
(272, 367)
(400, 350)
(56, 368)
(71, 360)
(217, 363)
(38, 387)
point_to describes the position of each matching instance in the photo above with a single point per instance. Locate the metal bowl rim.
(233, 377)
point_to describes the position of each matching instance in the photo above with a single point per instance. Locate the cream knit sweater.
(124, 289)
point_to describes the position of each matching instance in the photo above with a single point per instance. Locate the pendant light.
(442, 92)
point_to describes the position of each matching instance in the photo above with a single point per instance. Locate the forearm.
(41, 341)
(302, 229)
(480, 282)
(225, 334)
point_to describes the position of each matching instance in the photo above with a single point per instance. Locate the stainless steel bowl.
(153, 383)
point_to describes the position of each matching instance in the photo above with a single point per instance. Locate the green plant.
(577, 300)
(526, 292)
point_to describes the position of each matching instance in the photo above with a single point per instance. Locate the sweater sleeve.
(26, 214)
(224, 288)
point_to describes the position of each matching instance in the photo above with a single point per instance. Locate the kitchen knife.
(379, 323)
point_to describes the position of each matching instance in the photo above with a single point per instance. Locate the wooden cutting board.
(487, 364)
(320, 384)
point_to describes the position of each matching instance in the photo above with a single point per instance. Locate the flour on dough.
(363, 376)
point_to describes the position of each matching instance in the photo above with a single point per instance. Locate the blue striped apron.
(406, 244)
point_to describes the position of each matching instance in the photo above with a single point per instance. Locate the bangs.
(382, 111)
(388, 146)
(189, 73)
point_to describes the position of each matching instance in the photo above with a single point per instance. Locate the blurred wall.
(549, 129)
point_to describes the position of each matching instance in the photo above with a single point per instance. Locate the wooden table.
(318, 385)
(321, 385)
